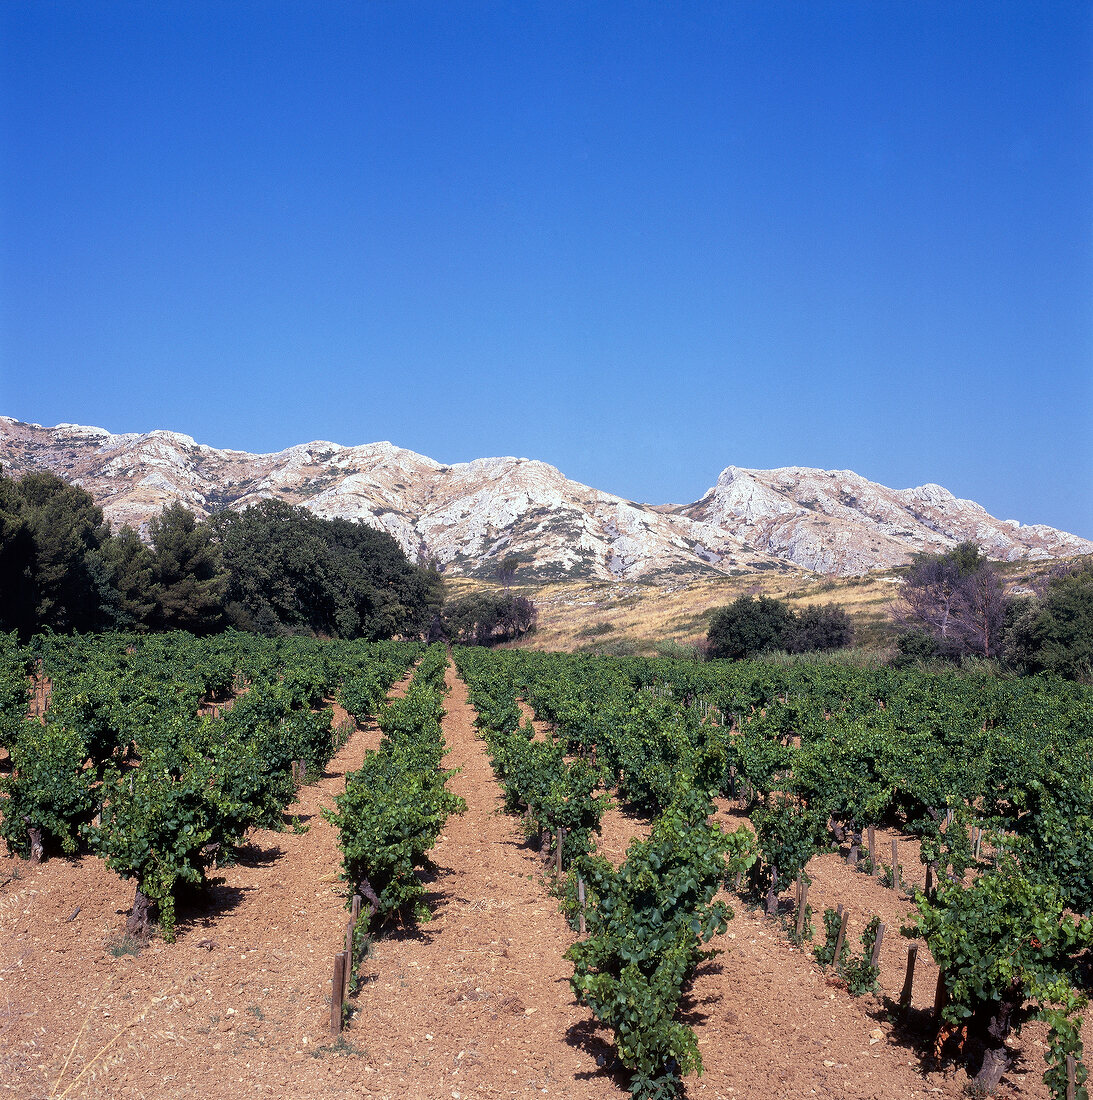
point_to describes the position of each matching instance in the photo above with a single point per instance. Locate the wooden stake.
(581, 902)
(349, 942)
(895, 864)
(347, 974)
(872, 835)
(561, 841)
(978, 842)
(802, 904)
(842, 936)
(337, 994)
(874, 959)
(909, 980)
(929, 882)
(356, 910)
(1071, 1077)
(941, 994)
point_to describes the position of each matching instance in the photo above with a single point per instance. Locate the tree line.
(950, 606)
(272, 569)
(954, 605)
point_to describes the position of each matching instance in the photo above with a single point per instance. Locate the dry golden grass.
(640, 616)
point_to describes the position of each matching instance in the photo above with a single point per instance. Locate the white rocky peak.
(468, 516)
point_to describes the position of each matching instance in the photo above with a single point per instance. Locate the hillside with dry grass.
(647, 617)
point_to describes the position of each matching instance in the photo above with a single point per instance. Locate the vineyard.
(311, 868)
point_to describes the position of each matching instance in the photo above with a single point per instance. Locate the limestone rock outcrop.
(468, 516)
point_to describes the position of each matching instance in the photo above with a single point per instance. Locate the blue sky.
(638, 240)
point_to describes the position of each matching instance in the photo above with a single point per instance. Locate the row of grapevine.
(819, 754)
(648, 920)
(396, 804)
(124, 763)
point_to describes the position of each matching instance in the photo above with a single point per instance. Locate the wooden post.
(842, 936)
(349, 942)
(561, 841)
(895, 864)
(1071, 1077)
(347, 974)
(356, 910)
(874, 959)
(337, 994)
(978, 842)
(802, 905)
(581, 901)
(909, 980)
(941, 994)
(872, 835)
(929, 882)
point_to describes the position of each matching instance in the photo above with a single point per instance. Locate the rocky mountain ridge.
(467, 516)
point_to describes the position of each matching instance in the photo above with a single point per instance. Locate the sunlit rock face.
(467, 517)
(835, 521)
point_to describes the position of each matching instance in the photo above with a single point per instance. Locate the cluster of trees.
(749, 627)
(954, 605)
(487, 618)
(273, 568)
(951, 605)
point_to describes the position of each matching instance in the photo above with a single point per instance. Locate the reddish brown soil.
(474, 1003)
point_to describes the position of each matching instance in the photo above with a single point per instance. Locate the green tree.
(67, 529)
(129, 567)
(825, 626)
(1061, 635)
(187, 579)
(291, 572)
(748, 627)
(17, 561)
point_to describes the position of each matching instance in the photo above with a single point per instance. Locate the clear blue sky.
(638, 240)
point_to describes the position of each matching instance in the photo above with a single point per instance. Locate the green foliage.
(819, 627)
(50, 572)
(747, 627)
(787, 835)
(396, 804)
(290, 571)
(163, 822)
(1007, 948)
(487, 618)
(647, 924)
(187, 578)
(859, 972)
(47, 790)
(1061, 635)
(825, 953)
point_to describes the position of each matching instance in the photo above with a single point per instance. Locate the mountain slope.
(468, 516)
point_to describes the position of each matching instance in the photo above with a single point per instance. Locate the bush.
(825, 626)
(749, 627)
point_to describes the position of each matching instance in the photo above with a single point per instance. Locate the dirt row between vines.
(772, 1023)
(475, 1003)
